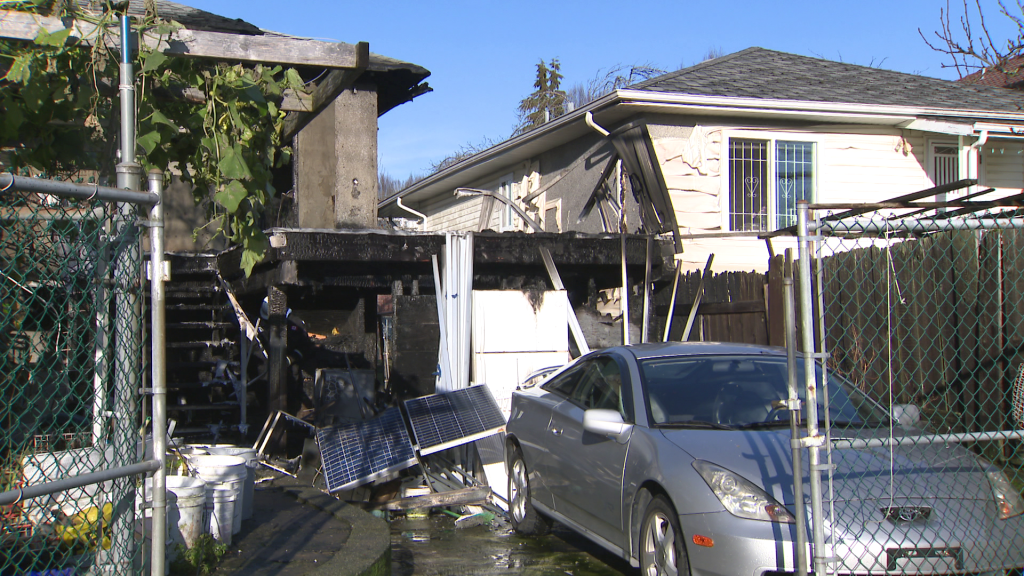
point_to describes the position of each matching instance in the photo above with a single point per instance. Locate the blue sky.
(482, 54)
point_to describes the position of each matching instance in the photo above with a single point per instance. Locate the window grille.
(748, 173)
(794, 179)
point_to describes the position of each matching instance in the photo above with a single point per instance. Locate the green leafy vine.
(216, 124)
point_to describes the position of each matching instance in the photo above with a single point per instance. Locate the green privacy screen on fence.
(71, 366)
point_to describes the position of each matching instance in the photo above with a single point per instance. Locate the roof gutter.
(899, 116)
(501, 148)
(643, 96)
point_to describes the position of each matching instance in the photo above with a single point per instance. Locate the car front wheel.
(661, 542)
(525, 518)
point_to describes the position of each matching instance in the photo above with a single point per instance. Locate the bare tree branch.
(972, 48)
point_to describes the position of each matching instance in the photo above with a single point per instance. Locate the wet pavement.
(432, 546)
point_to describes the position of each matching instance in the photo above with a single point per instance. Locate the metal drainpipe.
(800, 510)
(813, 441)
(127, 324)
(159, 358)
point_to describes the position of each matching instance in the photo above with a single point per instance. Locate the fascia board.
(802, 105)
(634, 101)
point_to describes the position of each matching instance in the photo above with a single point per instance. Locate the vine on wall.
(217, 124)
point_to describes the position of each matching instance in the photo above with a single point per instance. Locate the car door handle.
(556, 431)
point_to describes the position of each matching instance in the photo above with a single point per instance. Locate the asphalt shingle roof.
(767, 74)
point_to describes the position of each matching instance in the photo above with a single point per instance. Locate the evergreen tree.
(546, 102)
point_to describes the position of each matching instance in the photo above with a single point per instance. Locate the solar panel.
(357, 453)
(441, 421)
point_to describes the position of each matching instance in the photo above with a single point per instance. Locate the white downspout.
(590, 122)
(974, 158)
(420, 215)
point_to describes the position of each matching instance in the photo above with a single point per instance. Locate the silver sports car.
(677, 457)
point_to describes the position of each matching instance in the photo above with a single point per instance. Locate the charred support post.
(277, 375)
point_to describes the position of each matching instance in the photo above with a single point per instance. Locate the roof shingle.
(767, 74)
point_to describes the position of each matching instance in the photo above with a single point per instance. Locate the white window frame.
(772, 137)
(506, 188)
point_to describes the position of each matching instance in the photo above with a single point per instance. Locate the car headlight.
(1008, 499)
(740, 496)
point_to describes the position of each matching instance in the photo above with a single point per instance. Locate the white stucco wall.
(852, 164)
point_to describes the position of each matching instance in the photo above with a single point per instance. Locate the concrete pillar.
(336, 155)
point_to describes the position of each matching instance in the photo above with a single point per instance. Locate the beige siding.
(1002, 166)
(450, 213)
(854, 164)
(453, 214)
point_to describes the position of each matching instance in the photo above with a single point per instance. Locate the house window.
(766, 178)
(945, 163)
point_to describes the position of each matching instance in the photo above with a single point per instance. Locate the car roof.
(664, 349)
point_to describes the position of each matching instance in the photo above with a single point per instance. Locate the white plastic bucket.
(230, 470)
(186, 498)
(251, 462)
(219, 511)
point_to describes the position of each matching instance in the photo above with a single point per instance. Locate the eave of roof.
(622, 104)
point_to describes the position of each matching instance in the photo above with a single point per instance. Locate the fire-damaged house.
(344, 318)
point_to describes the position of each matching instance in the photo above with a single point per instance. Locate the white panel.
(507, 321)
(502, 372)
(513, 336)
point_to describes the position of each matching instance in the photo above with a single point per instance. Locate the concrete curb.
(368, 549)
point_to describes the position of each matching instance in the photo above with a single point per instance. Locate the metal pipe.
(159, 370)
(76, 191)
(47, 488)
(672, 302)
(624, 297)
(647, 294)
(789, 305)
(927, 439)
(813, 441)
(127, 314)
(921, 225)
(519, 211)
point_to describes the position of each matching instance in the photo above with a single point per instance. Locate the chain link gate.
(923, 316)
(71, 365)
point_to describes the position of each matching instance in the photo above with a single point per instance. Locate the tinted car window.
(564, 383)
(740, 391)
(600, 386)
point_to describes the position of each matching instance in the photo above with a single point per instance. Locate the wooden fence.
(937, 321)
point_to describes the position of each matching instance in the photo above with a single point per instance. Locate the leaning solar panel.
(441, 421)
(356, 453)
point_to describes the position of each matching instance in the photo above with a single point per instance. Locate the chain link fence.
(71, 365)
(922, 322)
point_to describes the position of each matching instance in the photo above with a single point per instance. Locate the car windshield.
(743, 392)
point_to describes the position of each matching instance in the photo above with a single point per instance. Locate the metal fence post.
(127, 316)
(814, 440)
(789, 301)
(159, 368)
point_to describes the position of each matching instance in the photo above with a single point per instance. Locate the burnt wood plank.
(186, 42)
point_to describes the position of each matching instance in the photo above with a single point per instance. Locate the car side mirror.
(608, 423)
(908, 415)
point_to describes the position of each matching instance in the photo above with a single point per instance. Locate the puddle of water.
(432, 546)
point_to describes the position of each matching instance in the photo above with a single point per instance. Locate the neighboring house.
(717, 154)
(1009, 75)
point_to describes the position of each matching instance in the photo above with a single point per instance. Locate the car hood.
(905, 472)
